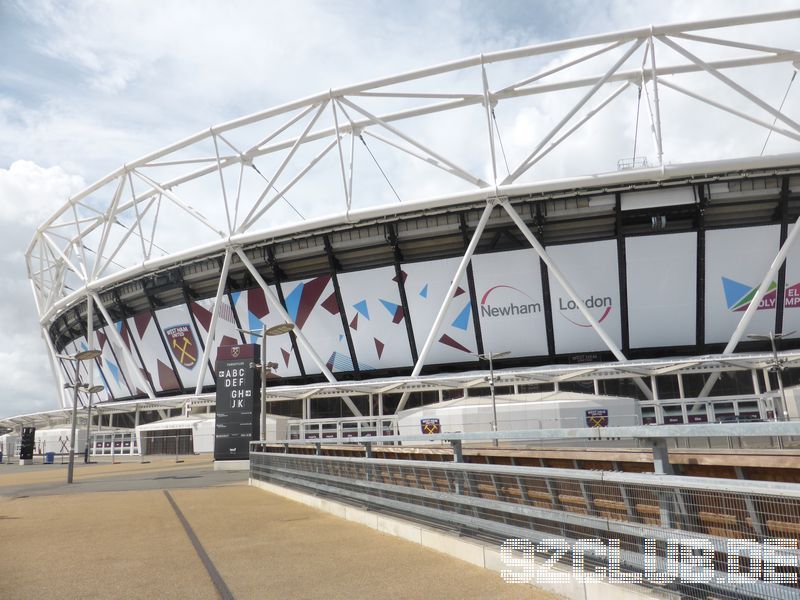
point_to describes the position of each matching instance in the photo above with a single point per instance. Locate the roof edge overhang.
(760, 166)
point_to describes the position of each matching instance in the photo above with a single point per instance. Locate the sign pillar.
(238, 405)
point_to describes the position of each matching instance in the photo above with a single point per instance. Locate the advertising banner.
(791, 294)
(111, 369)
(662, 289)
(144, 330)
(96, 376)
(126, 355)
(592, 271)
(736, 262)
(255, 312)
(184, 344)
(375, 318)
(226, 334)
(312, 306)
(238, 402)
(426, 284)
(508, 289)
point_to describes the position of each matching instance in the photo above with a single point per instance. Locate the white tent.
(201, 427)
(522, 412)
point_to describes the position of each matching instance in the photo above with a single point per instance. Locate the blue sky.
(87, 86)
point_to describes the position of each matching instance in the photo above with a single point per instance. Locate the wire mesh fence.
(678, 536)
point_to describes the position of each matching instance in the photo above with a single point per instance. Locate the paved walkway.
(183, 530)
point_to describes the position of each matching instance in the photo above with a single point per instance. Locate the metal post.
(88, 430)
(71, 465)
(263, 417)
(779, 373)
(494, 403)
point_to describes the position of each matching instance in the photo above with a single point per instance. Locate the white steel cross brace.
(301, 338)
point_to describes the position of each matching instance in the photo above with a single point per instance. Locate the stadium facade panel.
(667, 268)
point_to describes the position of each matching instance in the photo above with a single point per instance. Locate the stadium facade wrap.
(179, 252)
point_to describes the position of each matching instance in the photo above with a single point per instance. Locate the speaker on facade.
(26, 443)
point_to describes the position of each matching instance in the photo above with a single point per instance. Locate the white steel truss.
(230, 183)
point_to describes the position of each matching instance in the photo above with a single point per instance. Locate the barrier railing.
(691, 536)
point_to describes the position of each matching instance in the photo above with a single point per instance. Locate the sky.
(86, 86)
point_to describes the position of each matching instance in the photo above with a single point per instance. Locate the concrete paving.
(183, 530)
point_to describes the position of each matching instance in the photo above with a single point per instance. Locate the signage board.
(430, 426)
(238, 405)
(593, 270)
(597, 417)
(27, 443)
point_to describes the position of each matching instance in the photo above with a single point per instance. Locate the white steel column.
(656, 107)
(301, 338)
(462, 267)
(55, 364)
(552, 268)
(112, 331)
(437, 323)
(89, 339)
(223, 278)
(748, 315)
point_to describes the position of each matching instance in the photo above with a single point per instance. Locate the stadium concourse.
(448, 336)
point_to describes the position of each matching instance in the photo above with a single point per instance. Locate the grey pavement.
(183, 530)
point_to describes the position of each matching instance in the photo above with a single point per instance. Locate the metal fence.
(684, 537)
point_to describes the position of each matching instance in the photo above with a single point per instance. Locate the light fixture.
(83, 355)
(278, 329)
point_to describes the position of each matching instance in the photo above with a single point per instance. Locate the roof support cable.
(636, 128)
(780, 108)
(280, 193)
(500, 139)
(377, 164)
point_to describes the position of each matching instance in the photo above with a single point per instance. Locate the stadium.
(182, 251)
(467, 263)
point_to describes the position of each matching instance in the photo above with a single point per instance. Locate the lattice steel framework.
(230, 185)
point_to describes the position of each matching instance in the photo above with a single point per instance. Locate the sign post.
(237, 409)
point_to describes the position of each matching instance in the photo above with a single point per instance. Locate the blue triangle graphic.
(119, 326)
(462, 320)
(362, 308)
(293, 301)
(424, 291)
(235, 297)
(390, 306)
(734, 291)
(253, 323)
(105, 382)
(341, 337)
(114, 370)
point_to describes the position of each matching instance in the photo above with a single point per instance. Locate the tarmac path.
(182, 530)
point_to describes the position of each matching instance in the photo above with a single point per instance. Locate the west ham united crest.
(597, 417)
(181, 341)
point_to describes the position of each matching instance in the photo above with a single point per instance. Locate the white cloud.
(29, 194)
